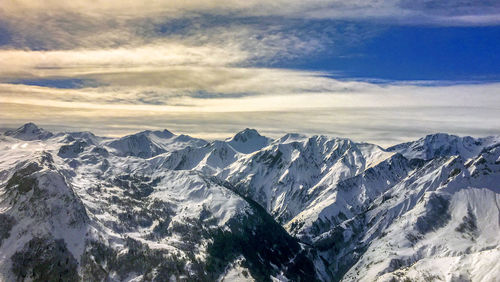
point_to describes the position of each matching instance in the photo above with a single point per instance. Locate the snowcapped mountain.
(29, 132)
(148, 143)
(164, 207)
(248, 141)
(441, 144)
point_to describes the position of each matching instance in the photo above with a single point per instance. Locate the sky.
(380, 71)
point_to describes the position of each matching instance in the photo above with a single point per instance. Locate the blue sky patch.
(61, 83)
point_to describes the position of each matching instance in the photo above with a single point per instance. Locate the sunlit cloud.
(358, 9)
(384, 114)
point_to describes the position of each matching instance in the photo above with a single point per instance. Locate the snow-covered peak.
(248, 141)
(147, 144)
(165, 134)
(29, 132)
(442, 144)
(244, 135)
(138, 145)
(87, 136)
(160, 134)
(291, 137)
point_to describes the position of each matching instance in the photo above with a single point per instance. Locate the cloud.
(81, 61)
(118, 12)
(55, 24)
(158, 73)
(252, 90)
(213, 99)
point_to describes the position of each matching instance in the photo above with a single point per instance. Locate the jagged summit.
(147, 144)
(443, 144)
(292, 137)
(246, 134)
(159, 133)
(248, 141)
(29, 132)
(29, 125)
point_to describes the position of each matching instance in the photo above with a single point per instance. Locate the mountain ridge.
(342, 210)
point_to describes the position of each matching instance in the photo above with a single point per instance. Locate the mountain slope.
(157, 206)
(102, 216)
(447, 229)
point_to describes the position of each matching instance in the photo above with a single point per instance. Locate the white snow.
(314, 186)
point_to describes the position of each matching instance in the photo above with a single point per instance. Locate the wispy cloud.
(56, 24)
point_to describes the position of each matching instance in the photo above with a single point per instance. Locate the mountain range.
(156, 206)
